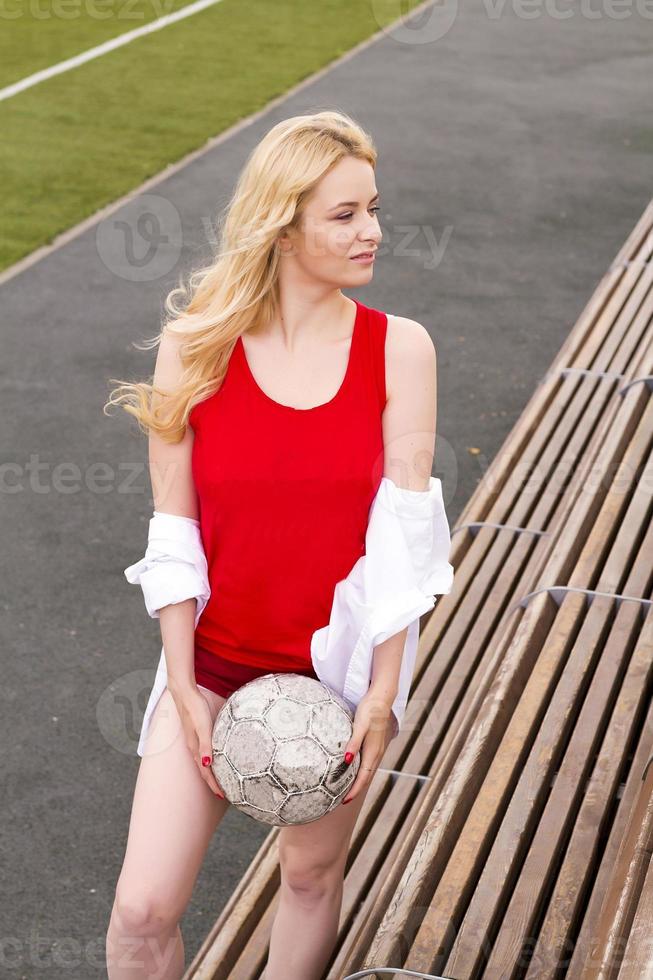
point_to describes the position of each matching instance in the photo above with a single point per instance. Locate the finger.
(213, 784)
(210, 780)
(353, 793)
(204, 730)
(369, 765)
(359, 784)
(206, 758)
(353, 746)
(361, 781)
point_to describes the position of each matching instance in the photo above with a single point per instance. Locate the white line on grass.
(97, 52)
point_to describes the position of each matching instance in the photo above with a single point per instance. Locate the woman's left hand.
(370, 727)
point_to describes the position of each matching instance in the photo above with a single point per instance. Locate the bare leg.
(313, 857)
(174, 815)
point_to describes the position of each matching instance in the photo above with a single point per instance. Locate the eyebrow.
(352, 204)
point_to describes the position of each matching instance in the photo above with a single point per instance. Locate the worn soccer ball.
(278, 749)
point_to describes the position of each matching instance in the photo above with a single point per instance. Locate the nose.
(372, 233)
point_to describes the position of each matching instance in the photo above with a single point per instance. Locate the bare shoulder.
(168, 368)
(410, 351)
(409, 338)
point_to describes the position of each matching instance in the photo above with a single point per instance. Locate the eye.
(374, 208)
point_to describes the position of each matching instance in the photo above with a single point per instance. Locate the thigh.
(174, 814)
(320, 847)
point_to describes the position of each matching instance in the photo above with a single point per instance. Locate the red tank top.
(284, 497)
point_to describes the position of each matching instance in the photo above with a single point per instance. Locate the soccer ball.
(278, 748)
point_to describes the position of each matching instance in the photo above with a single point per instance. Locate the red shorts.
(223, 676)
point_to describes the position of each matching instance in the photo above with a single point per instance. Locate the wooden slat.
(607, 958)
(638, 956)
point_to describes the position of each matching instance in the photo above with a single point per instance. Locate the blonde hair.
(240, 286)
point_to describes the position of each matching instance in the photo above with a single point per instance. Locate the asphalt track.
(523, 150)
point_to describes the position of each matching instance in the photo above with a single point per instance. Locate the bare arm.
(409, 423)
(173, 492)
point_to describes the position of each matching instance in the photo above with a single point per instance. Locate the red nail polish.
(349, 756)
(206, 760)
(347, 801)
(220, 795)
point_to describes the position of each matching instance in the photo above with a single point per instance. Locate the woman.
(277, 407)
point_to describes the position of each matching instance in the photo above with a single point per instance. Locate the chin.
(362, 272)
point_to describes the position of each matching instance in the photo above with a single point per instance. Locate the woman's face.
(339, 222)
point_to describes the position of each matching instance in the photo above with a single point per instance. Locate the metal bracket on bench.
(645, 378)
(558, 592)
(474, 525)
(413, 775)
(396, 969)
(625, 263)
(613, 375)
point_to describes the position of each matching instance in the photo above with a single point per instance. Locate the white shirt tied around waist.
(405, 565)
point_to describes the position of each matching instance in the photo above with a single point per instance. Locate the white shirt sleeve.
(174, 568)
(405, 565)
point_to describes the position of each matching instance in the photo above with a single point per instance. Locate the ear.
(285, 240)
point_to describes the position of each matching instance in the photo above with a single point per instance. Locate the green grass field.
(78, 141)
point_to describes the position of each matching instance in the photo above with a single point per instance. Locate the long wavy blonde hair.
(240, 286)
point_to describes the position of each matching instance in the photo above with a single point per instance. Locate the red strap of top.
(378, 322)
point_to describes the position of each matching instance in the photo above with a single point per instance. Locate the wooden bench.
(487, 842)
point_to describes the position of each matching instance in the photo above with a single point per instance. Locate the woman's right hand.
(197, 723)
